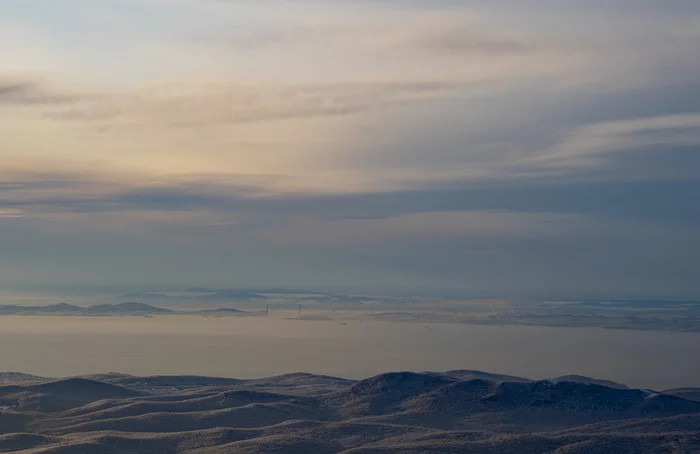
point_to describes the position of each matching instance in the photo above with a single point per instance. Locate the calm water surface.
(255, 347)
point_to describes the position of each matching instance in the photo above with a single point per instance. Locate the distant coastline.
(128, 308)
(672, 323)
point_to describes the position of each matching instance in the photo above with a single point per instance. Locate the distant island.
(128, 308)
(222, 311)
(555, 315)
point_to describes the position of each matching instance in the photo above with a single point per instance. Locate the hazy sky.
(500, 147)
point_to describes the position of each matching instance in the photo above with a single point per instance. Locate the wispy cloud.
(432, 34)
(591, 143)
(30, 92)
(456, 35)
(207, 103)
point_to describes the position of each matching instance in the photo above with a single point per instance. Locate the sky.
(507, 148)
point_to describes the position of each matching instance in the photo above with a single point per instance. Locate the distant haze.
(254, 348)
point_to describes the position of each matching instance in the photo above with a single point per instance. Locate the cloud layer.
(487, 147)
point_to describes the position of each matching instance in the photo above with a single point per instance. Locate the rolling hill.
(452, 412)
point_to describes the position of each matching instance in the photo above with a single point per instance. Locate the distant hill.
(16, 377)
(261, 290)
(385, 393)
(61, 395)
(206, 294)
(61, 308)
(403, 412)
(465, 375)
(221, 311)
(128, 308)
(685, 393)
(593, 381)
(232, 295)
(125, 308)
